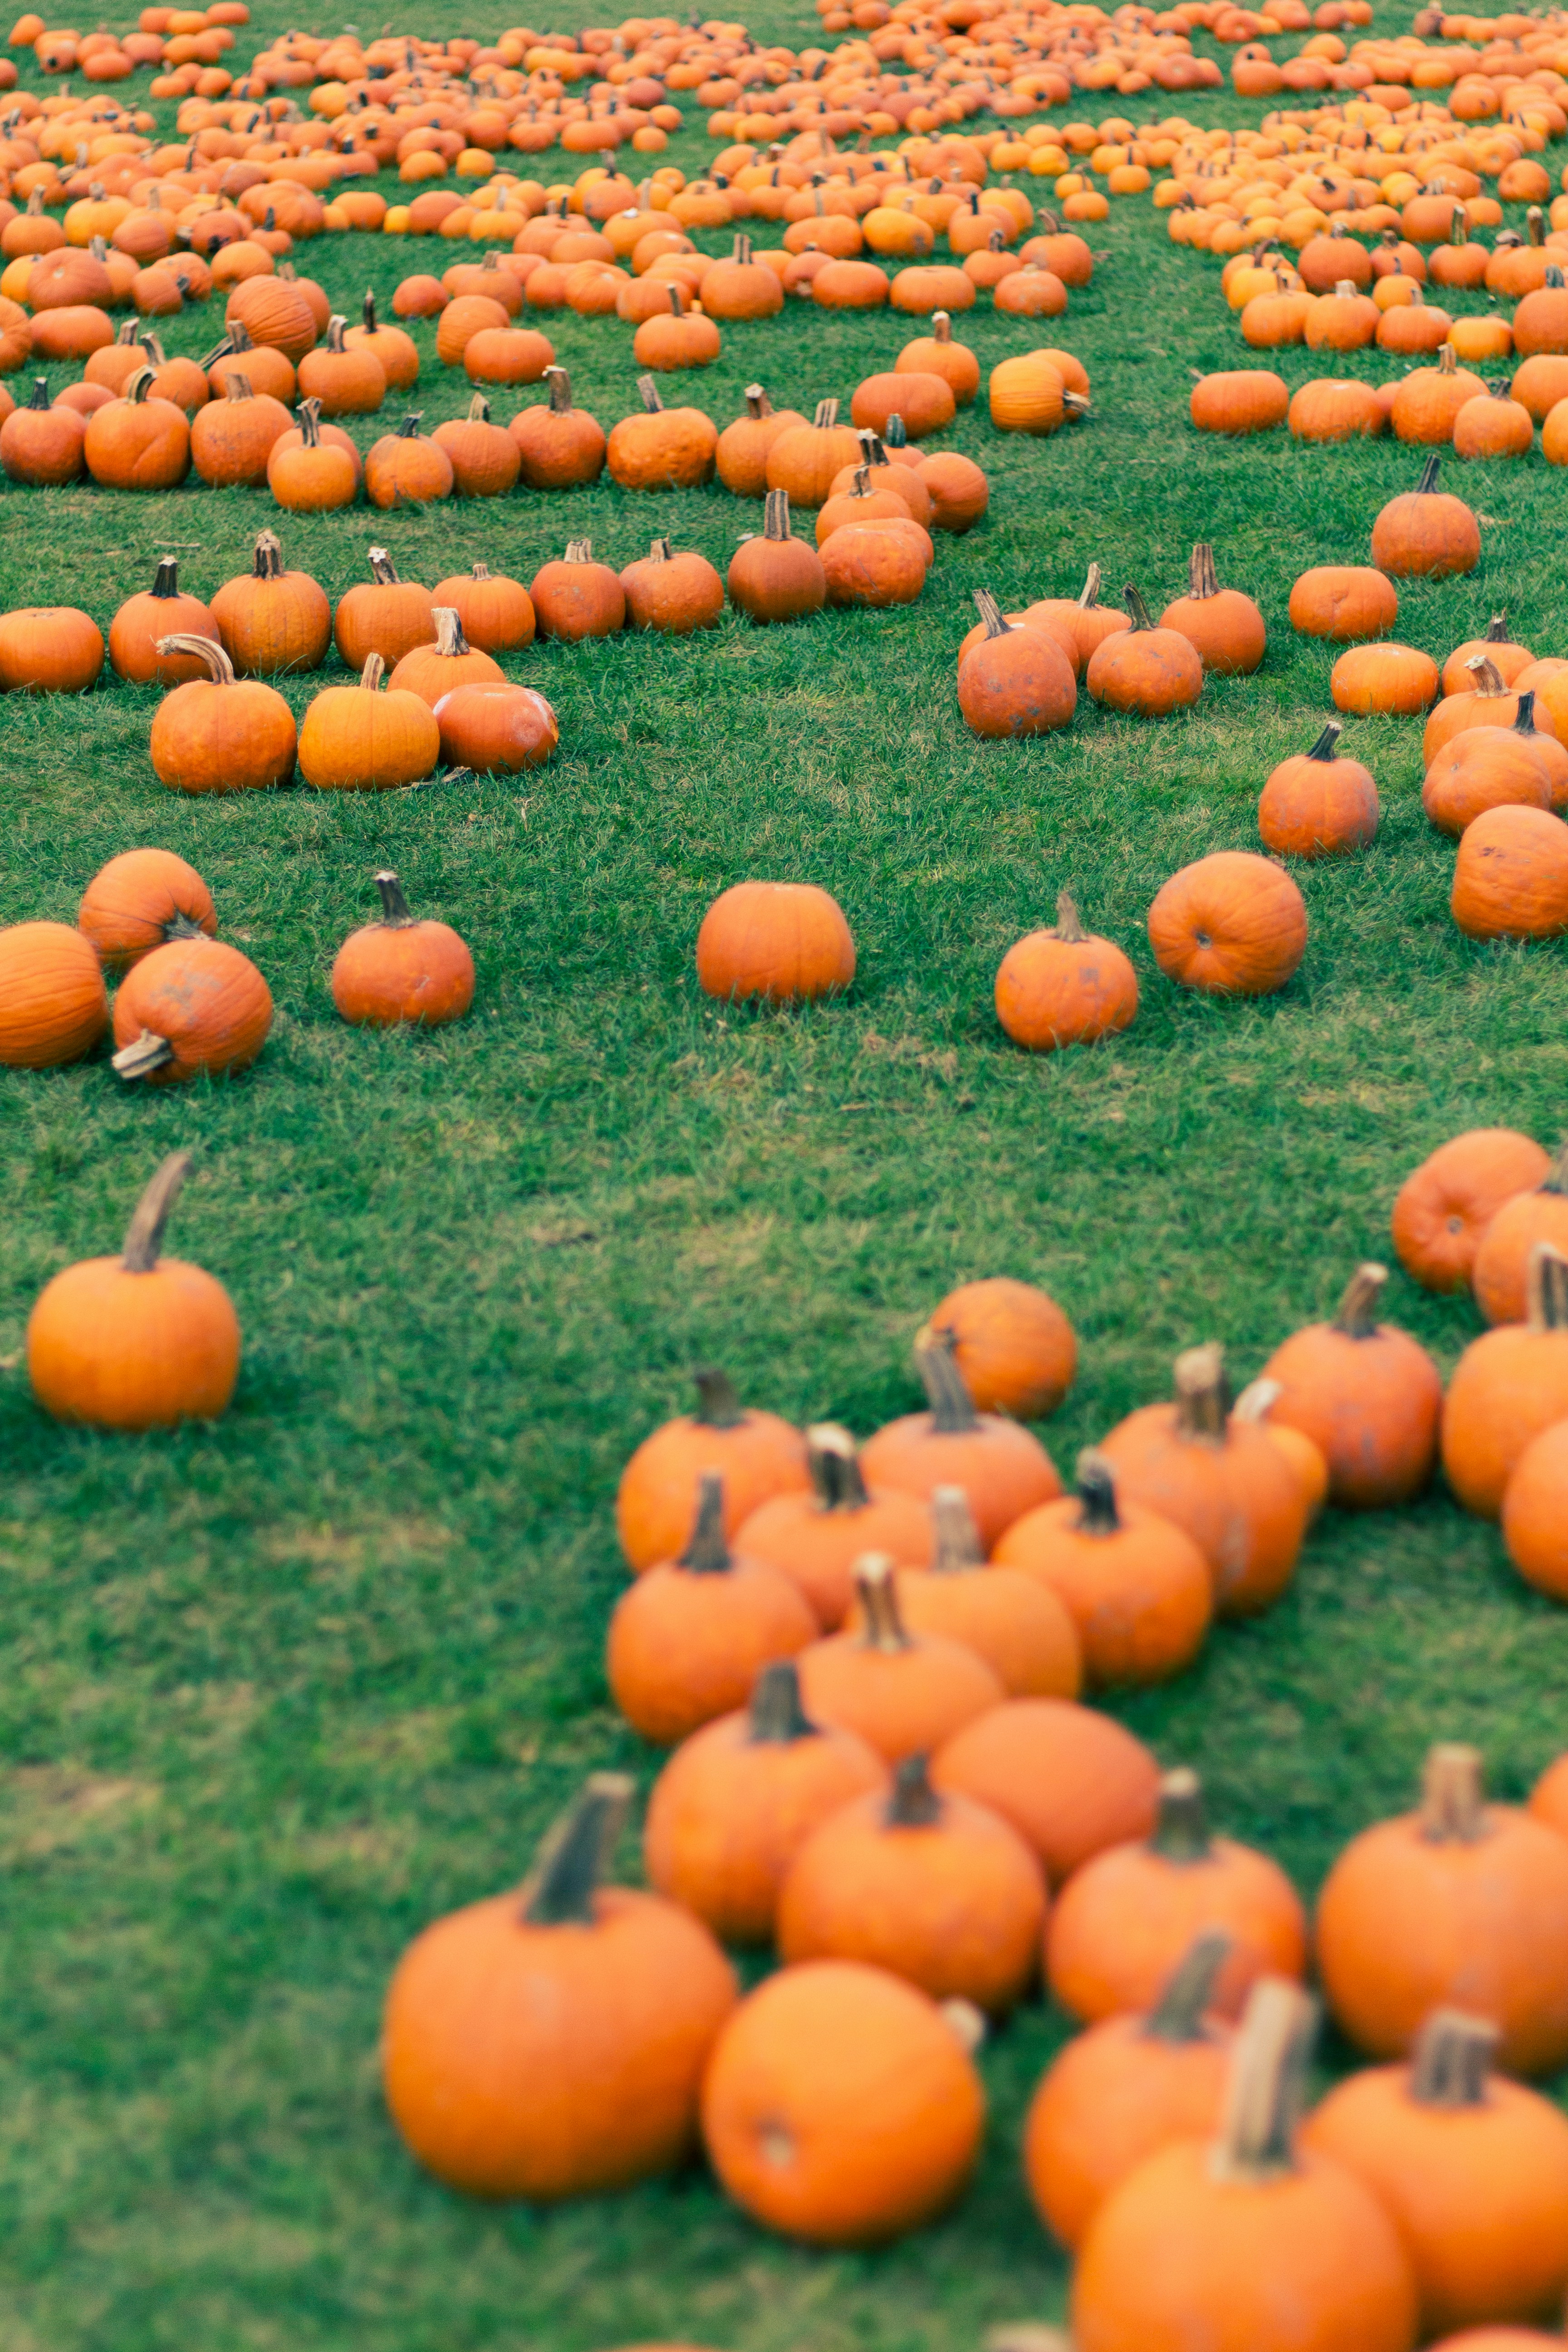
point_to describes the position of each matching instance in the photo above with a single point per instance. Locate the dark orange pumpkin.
(776, 577)
(271, 620)
(217, 733)
(1014, 681)
(1319, 804)
(1064, 986)
(674, 594)
(1072, 1781)
(194, 1005)
(575, 598)
(560, 447)
(774, 942)
(1231, 924)
(384, 615)
(1001, 1469)
(758, 1455)
(1443, 1209)
(137, 901)
(53, 1009)
(1425, 533)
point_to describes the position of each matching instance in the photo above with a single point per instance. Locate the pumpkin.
(192, 1006)
(925, 400)
(777, 943)
(463, 317)
(1347, 602)
(1071, 1781)
(875, 564)
(737, 1802)
(776, 577)
(1538, 386)
(1510, 877)
(550, 2042)
(1242, 2243)
(933, 1888)
(232, 438)
(484, 458)
(508, 355)
(1014, 681)
(1224, 628)
(1231, 924)
(758, 1455)
(1021, 1630)
(740, 453)
(53, 1009)
(1425, 533)
(840, 2106)
(1508, 659)
(1534, 1516)
(1137, 1587)
(573, 597)
(674, 338)
(404, 469)
(433, 671)
(1509, 1385)
(137, 901)
(904, 1693)
(274, 312)
(740, 288)
(1546, 680)
(1146, 670)
(559, 445)
(818, 1536)
(219, 734)
(938, 354)
(48, 649)
(1473, 2168)
(1064, 986)
(1428, 403)
(803, 461)
(357, 739)
(41, 442)
(687, 1640)
(1028, 395)
(495, 614)
(1489, 703)
(887, 473)
(1341, 320)
(265, 369)
(1001, 1469)
(271, 620)
(385, 615)
(1368, 1396)
(1239, 400)
(661, 448)
(1491, 425)
(1089, 621)
(399, 971)
(137, 1341)
(958, 490)
(1500, 1274)
(1126, 2088)
(73, 333)
(398, 352)
(138, 442)
(675, 594)
(1492, 767)
(1445, 1206)
(1012, 1344)
(860, 501)
(497, 729)
(1307, 1464)
(1549, 1798)
(306, 472)
(1460, 1901)
(1335, 408)
(161, 611)
(1222, 1481)
(1319, 804)
(1390, 679)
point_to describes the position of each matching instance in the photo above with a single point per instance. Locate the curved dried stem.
(145, 1234)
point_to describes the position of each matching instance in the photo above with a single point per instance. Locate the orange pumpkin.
(484, 458)
(758, 1455)
(435, 670)
(740, 453)
(161, 611)
(1223, 627)
(1425, 533)
(1510, 877)
(1508, 1386)
(271, 620)
(194, 1005)
(1500, 1275)
(1319, 804)
(1071, 1781)
(1145, 671)
(1001, 1469)
(497, 729)
(1368, 1396)
(138, 442)
(137, 901)
(53, 1009)
(137, 1341)
(817, 1537)
(497, 613)
(48, 649)
(550, 2042)
(1391, 679)
(661, 448)
(404, 469)
(905, 1692)
(776, 577)
(1536, 1512)
(1064, 986)
(675, 594)
(560, 447)
(779, 942)
(803, 461)
(1231, 924)
(220, 734)
(1014, 681)
(308, 473)
(398, 970)
(1443, 1209)
(384, 615)
(1012, 1344)
(1346, 602)
(41, 442)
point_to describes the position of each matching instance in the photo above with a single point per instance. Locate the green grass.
(279, 1691)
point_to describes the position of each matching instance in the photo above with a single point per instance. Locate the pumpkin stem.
(1097, 1514)
(1546, 1282)
(129, 332)
(575, 1854)
(1178, 2015)
(1202, 578)
(940, 327)
(267, 561)
(1068, 927)
(145, 1234)
(1357, 1313)
(1447, 360)
(1535, 225)
(952, 1408)
(559, 384)
(373, 673)
(449, 637)
(1452, 1809)
(913, 1803)
(367, 311)
(393, 904)
(139, 386)
(647, 393)
(757, 400)
(1203, 1392)
(775, 1717)
(985, 603)
(707, 1553)
(775, 515)
(1497, 630)
(1268, 2082)
(478, 410)
(1137, 607)
(145, 1054)
(220, 669)
(1182, 1831)
(1257, 1401)
(1325, 747)
(958, 1548)
(876, 1586)
(166, 579)
(718, 1406)
(896, 435)
(1428, 477)
(677, 301)
(40, 392)
(578, 550)
(826, 414)
(335, 326)
(237, 387)
(659, 550)
(1488, 676)
(409, 428)
(1524, 724)
(834, 1468)
(1452, 2060)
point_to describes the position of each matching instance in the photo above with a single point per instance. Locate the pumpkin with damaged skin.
(776, 942)
(220, 733)
(1146, 670)
(550, 2042)
(1014, 681)
(1231, 924)
(497, 729)
(137, 1341)
(758, 1454)
(661, 448)
(1064, 986)
(138, 900)
(53, 1009)
(1368, 1396)
(1443, 1208)
(195, 1006)
(1003, 1469)
(1510, 877)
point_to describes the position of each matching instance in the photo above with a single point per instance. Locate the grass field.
(279, 1691)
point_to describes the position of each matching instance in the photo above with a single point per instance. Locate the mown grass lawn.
(277, 1692)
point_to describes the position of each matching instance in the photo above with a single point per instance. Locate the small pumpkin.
(1239, 401)
(161, 611)
(53, 1009)
(1012, 1343)
(398, 970)
(904, 1693)
(1489, 767)
(1349, 602)
(1028, 395)
(306, 472)
(1231, 924)
(265, 367)
(803, 461)
(41, 441)
(195, 1006)
(776, 942)
(1126, 1919)
(358, 738)
(1460, 1901)
(496, 612)
(1443, 1207)
(270, 620)
(958, 489)
(484, 456)
(550, 2042)
(435, 670)
(1425, 533)
(48, 649)
(740, 453)
(137, 1341)
(1319, 804)
(384, 615)
(138, 900)
(1064, 986)
(676, 338)
(675, 594)
(1510, 877)
(560, 447)
(1224, 628)
(1489, 703)
(1396, 681)
(687, 1640)
(776, 577)
(1500, 1274)
(740, 288)
(661, 448)
(818, 1536)
(404, 469)
(397, 351)
(1020, 1628)
(497, 729)
(1368, 1396)
(217, 733)
(232, 438)
(1145, 671)
(1072, 1781)
(938, 354)
(575, 597)
(1003, 1470)
(1509, 1385)
(138, 441)
(758, 1454)
(1014, 681)
(1490, 425)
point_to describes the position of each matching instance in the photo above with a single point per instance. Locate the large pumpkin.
(1231, 924)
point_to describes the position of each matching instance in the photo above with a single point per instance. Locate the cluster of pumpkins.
(188, 43)
(868, 1664)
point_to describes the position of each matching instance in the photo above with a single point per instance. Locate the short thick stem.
(985, 604)
(914, 1803)
(1546, 1287)
(448, 625)
(142, 1056)
(1202, 578)
(393, 904)
(1182, 1832)
(575, 1855)
(1268, 2082)
(775, 1717)
(834, 1468)
(1326, 748)
(876, 1588)
(1095, 1481)
(1357, 1315)
(559, 384)
(1136, 607)
(1203, 1392)
(947, 1394)
(707, 1553)
(1453, 1810)
(957, 1547)
(1452, 2059)
(718, 1406)
(775, 515)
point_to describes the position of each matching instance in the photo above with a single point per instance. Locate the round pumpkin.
(1231, 924)
(398, 970)
(53, 1008)
(779, 942)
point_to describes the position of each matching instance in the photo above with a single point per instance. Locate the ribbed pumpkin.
(220, 733)
(497, 729)
(397, 351)
(1508, 1386)
(1064, 986)
(672, 594)
(560, 447)
(1510, 877)
(137, 901)
(1460, 1901)
(48, 649)
(575, 597)
(41, 442)
(384, 615)
(741, 455)
(550, 2042)
(776, 943)
(137, 1341)
(53, 1009)
(758, 1454)
(1348, 602)
(1487, 702)
(904, 1693)
(161, 611)
(803, 461)
(661, 448)
(1012, 1343)
(404, 469)
(233, 439)
(1392, 680)
(275, 313)
(1028, 395)
(736, 1802)
(138, 442)
(1536, 1512)
(776, 577)
(485, 460)
(346, 381)
(1145, 670)
(1500, 1275)
(1231, 924)
(1003, 1470)
(195, 1005)
(1443, 1207)
(495, 614)
(818, 1536)
(1368, 1396)
(1483, 768)
(272, 621)
(1319, 804)
(401, 970)
(1071, 1780)
(306, 472)
(1425, 533)
(357, 739)
(1223, 627)
(439, 669)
